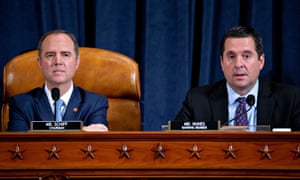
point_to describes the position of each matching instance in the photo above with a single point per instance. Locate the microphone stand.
(55, 96)
(55, 110)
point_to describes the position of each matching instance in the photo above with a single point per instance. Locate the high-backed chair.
(109, 73)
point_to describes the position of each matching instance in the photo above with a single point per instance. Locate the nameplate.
(56, 126)
(209, 125)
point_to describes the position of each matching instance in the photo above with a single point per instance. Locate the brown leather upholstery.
(101, 71)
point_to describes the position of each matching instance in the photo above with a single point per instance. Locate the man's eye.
(231, 56)
(66, 55)
(50, 56)
(246, 56)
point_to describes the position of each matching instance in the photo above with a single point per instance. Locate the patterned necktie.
(59, 104)
(241, 112)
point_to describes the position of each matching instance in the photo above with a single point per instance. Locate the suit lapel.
(219, 103)
(42, 107)
(74, 105)
(265, 104)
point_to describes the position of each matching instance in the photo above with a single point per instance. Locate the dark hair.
(240, 32)
(58, 31)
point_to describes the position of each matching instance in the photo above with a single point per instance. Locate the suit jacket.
(278, 105)
(86, 106)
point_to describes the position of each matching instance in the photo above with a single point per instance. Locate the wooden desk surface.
(209, 154)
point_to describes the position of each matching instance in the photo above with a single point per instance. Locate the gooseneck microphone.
(250, 101)
(55, 96)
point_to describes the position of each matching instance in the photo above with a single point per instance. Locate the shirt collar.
(66, 97)
(232, 95)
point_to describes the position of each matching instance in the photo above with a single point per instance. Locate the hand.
(95, 127)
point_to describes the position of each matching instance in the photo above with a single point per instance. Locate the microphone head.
(55, 94)
(250, 100)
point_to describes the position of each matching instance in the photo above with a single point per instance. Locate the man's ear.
(262, 61)
(78, 61)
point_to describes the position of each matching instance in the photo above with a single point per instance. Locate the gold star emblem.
(296, 152)
(17, 153)
(89, 152)
(195, 151)
(53, 152)
(265, 152)
(229, 152)
(124, 151)
(159, 151)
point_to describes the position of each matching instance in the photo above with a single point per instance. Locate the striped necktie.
(59, 104)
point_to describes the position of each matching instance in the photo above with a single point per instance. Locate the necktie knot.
(241, 100)
(58, 109)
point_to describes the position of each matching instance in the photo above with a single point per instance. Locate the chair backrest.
(109, 73)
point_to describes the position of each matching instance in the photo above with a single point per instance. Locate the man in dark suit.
(242, 59)
(58, 58)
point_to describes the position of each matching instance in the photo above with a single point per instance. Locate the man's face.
(58, 60)
(240, 63)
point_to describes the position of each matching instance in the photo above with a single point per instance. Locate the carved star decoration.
(17, 153)
(53, 152)
(159, 151)
(265, 152)
(229, 152)
(296, 152)
(89, 152)
(195, 151)
(124, 151)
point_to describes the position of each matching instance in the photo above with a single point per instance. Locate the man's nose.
(58, 59)
(239, 62)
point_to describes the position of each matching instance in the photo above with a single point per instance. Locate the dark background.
(175, 42)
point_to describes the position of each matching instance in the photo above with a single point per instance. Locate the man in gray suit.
(58, 59)
(242, 58)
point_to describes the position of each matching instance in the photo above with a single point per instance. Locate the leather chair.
(101, 71)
